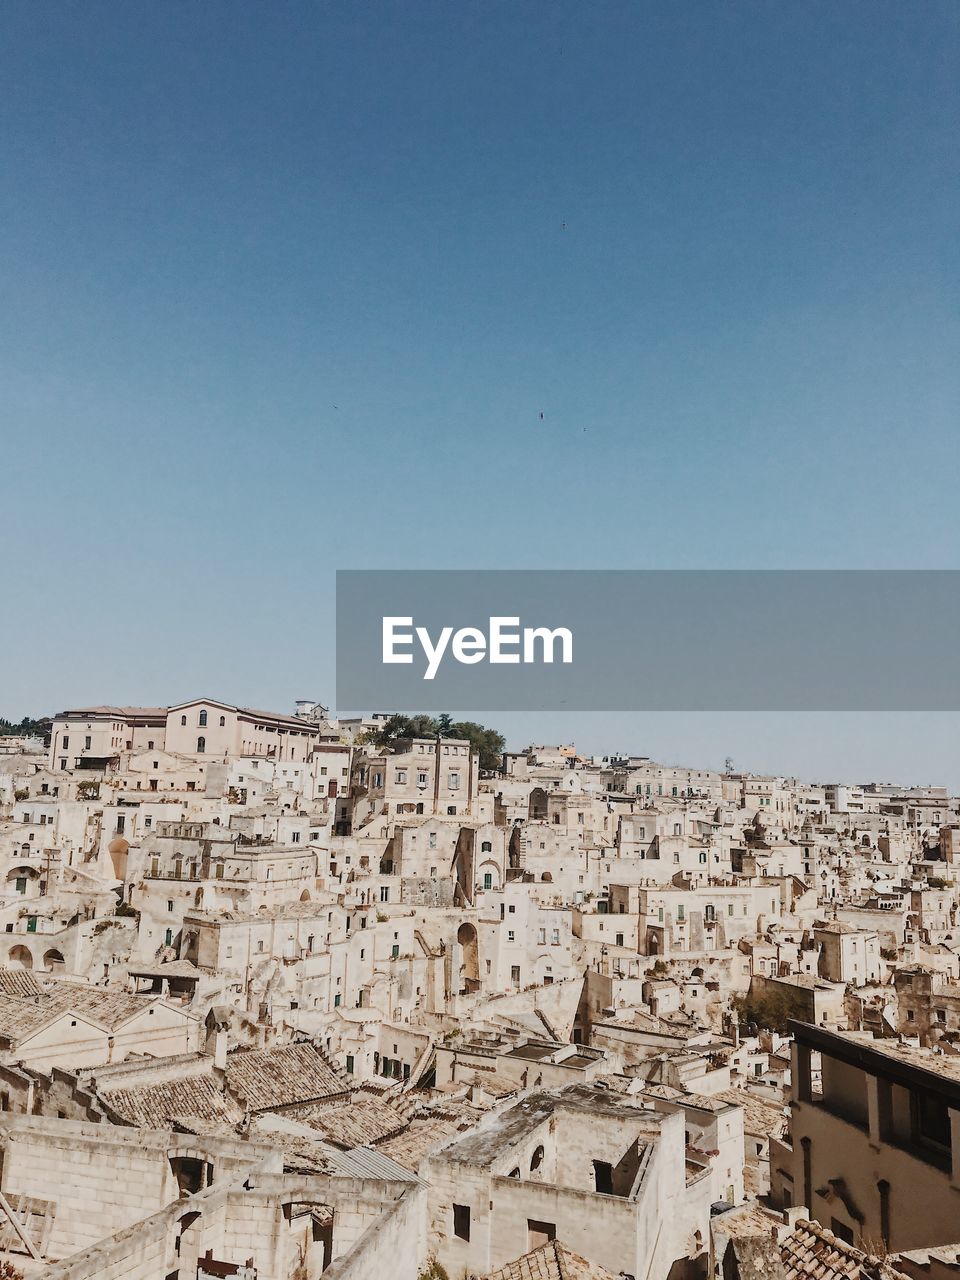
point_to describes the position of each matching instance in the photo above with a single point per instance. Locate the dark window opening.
(461, 1221)
(603, 1177)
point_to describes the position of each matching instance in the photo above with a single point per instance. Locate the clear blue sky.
(286, 287)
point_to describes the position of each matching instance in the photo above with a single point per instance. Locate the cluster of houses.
(277, 1002)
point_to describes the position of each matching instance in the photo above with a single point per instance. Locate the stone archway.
(53, 960)
(20, 957)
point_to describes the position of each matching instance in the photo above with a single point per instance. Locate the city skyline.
(674, 289)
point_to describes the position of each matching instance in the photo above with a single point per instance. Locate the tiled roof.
(156, 1106)
(767, 1248)
(758, 1116)
(21, 1018)
(19, 982)
(118, 713)
(107, 1008)
(22, 1015)
(553, 1261)
(355, 1123)
(811, 1252)
(281, 1077)
(418, 1140)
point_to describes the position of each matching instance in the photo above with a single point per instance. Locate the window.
(202, 719)
(21, 884)
(401, 777)
(931, 1120)
(461, 1221)
(201, 746)
(395, 950)
(539, 1233)
(511, 936)
(555, 938)
(841, 1230)
(294, 837)
(350, 1064)
(223, 722)
(454, 781)
(336, 1001)
(488, 880)
(421, 779)
(183, 720)
(515, 974)
(384, 893)
(486, 847)
(87, 743)
(169, 904)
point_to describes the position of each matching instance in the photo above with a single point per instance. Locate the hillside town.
(286, 995)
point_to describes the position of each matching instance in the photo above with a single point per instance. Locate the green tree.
(770, 1011)
(26, 728)
(488, 744)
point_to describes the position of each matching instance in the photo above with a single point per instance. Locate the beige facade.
(875, 1152)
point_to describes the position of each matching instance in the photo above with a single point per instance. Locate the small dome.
(118, 845)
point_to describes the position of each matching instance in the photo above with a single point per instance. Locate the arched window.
(536, 1160)
(201, 745)
(223, 721)
(203, 719)
(183, 719)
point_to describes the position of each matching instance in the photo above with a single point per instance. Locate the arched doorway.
(53, 960)
(21, 958)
